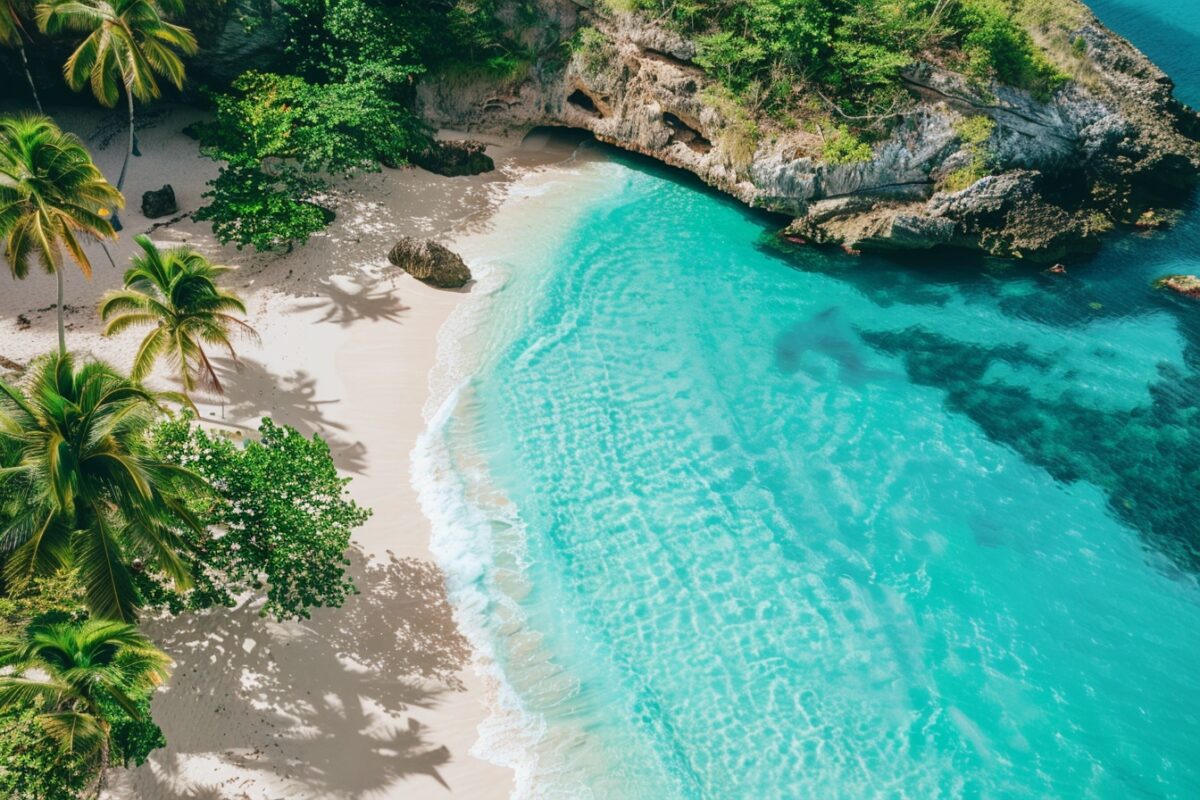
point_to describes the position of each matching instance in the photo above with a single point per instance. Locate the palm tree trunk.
(116, 221)
(62, 329)
(29, 76)
(103, 767)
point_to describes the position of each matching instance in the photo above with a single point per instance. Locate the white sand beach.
(377, 699)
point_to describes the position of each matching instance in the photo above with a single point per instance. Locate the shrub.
(32, 767)
(844, 147)
(974, 133)
(997, 47)
(593, 48)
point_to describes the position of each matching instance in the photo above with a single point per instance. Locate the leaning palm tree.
(90, 492)
(51, 197)
(175, 290)
(73, 672)
(12, 34)
(128, 44)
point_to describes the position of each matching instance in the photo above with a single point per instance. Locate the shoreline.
(477, 533)
(380, 698)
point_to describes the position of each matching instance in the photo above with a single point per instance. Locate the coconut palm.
(128, 46)
(89, 491)
(73, 673)
(51, 197)
(12, 34)
(175, 290)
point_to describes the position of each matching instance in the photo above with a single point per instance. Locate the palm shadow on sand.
(334, 693)
(345, 306)
(292, 400)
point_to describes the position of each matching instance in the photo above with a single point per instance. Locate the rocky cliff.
(1112, 147)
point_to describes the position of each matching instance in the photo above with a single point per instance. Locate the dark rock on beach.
(430, 262)
(454, 159)
(159, 202)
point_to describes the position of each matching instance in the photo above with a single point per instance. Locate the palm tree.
(128, 43)
(51, 195)
(90, 492)
(176, 291)
(72, 672)
(12, 34)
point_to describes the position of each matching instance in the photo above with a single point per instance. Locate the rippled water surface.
(743, 523)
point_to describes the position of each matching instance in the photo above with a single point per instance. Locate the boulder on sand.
(430, 262)
(159, 202)
(454, 159)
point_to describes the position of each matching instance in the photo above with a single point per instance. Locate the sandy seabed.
(378, 699)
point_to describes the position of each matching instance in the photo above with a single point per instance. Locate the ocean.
(733, 520)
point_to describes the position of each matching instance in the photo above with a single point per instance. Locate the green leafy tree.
(129, 44)
(12, 34)
(89, 491)
(284, 513)
(80, 679)
(52, 197)
(278, 136)
(175, 291)
(342, 106)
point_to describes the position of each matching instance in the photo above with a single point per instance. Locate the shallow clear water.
(736, 522)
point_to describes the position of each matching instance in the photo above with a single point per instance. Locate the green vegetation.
(128, 44)
(88, 684)
(844, 147)
(108, 506)
(593, 47)
(279, 135)
(770, 53)
(739, 138)
(52, 196)
(974, 133)
(83, 488)
(285, 516)
(176, 292)
(340, 106)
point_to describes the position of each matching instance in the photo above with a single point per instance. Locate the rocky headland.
(1110, 148)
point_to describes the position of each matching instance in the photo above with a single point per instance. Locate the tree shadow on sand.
(329, 700)
(292, 400)
(363, 301)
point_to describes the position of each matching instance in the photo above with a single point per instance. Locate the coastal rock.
(234, 36)
(1100, 151)
(430, 262)
(159, 202)
(453, 159)
(1186, 285)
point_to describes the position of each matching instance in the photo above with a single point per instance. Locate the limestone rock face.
(1100, 152)
(159, 202)
(228, 46)
(430, 262)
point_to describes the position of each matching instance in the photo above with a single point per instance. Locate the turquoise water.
(742, 523)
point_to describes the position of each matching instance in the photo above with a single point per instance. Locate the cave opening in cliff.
(682, 132)
(556, 140)
(584, 102)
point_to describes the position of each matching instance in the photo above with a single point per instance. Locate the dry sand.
(377, 699)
